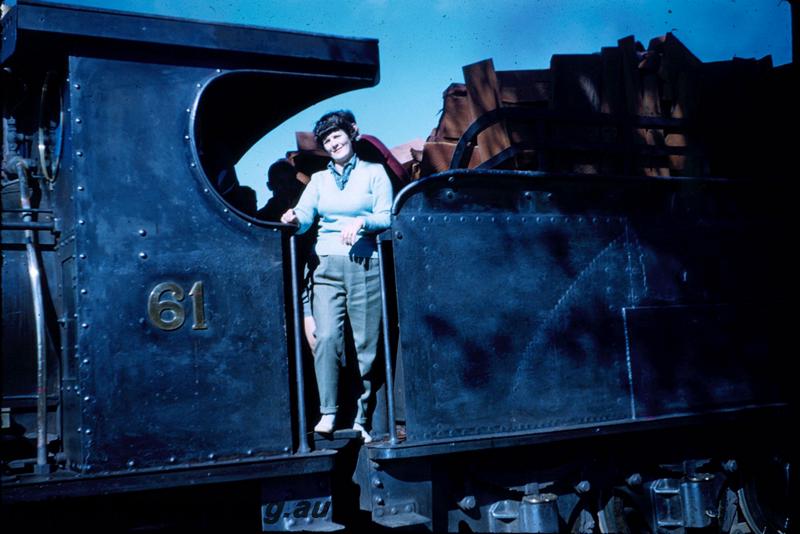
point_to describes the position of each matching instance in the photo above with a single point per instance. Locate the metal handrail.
(463, 149)
(27, 226)
(303, 446)
(35, 275)
(387, 349)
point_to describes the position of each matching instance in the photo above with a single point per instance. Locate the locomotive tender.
(581, 354)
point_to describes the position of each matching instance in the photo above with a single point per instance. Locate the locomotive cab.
(144, 332)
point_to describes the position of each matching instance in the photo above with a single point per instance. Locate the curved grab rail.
(466, 143)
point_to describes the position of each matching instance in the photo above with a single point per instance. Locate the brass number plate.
(165, 311)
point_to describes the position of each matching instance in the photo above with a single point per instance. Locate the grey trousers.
(351, 286)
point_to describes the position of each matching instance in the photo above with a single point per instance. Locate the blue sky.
(424, 43)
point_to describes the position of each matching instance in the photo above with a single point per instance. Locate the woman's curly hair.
(330, 122)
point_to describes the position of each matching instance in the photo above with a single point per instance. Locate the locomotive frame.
(559, 302)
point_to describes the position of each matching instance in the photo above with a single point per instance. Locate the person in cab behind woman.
(353, 199)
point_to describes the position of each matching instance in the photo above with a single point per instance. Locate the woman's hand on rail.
(289, 217)
(350, 232)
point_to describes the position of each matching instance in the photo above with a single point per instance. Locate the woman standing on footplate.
(353, 199)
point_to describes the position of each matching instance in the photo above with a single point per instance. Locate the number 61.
(168, 314)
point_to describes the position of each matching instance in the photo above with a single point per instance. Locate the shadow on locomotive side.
(578, 353)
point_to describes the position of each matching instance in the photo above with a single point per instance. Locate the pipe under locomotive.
(577, 355)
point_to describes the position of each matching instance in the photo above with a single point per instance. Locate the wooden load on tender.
(624, 110)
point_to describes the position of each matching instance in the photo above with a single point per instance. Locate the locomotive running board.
(759, 415)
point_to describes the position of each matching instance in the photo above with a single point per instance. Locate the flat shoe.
(326, 424)
(364, 433)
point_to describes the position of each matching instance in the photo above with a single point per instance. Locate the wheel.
(764, 497)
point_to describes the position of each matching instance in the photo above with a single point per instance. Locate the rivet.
(83, 291)
(286, 449)
(399, 235)
(309, 520)
(198, 85)
(376, 482)
(81, 221)
(82, 256)
(77, 86)
(131, 463)
(84, 325)
(524, 219)
(142, 232)
(186, 137)
(289, 522)
(80, 188)
(192, 164)
(79, 429)
(143, 255)
(634, 480)
(409, 508)
(211, 456)
(205, 190)
(188, 110)
(88, 431)
(78, 120)
(249, 224)
(79, 153)
(393, 510)
(249, 452)
(85, 361)
(219, 70)
(225, 210)
(413, 219)
(378, 500)
(583, 486)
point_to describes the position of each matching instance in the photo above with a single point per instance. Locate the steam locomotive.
(563, 353)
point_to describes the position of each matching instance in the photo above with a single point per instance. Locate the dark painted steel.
(769, 416)
(387, 347)
(65, 485)
(248, 45)
(297, 328)
(543, 302)
(155, 111)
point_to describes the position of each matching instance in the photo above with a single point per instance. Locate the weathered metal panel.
(510, 322)
(531, 302)
(146, 216)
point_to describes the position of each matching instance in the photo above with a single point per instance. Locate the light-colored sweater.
(367, 194)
